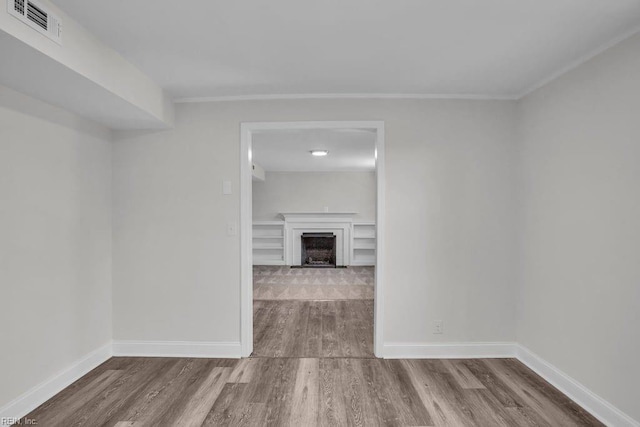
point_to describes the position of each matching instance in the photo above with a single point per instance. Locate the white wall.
(55, 241)
(579, 299)
(313, 191)
(450, 226)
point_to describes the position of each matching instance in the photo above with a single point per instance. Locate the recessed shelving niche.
(364, 243)
(268, 243)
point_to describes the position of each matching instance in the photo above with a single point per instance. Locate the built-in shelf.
(363, 235)
(268, 243)
(369, 244)
(364, 243)
(270, 240)
(267, 246)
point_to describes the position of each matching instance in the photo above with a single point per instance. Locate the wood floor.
(313, 328)
(336, 383)
(310, 391)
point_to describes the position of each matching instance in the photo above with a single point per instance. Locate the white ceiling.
(219, 48)
(289, 150)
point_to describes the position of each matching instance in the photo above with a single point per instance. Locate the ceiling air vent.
(18, 6)
(38, 17)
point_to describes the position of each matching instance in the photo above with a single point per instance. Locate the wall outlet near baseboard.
(438, 327)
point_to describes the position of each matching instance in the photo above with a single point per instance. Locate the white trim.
(246, 264)
(246, 241)
(318, 216)
(378, 302)
(359, 124)
(464, 350)
(30, 400)
(575, 64)
(293, 96)
(591, 402)
(462, 96)
(177, 349)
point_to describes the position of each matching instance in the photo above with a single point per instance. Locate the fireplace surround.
(296, 224)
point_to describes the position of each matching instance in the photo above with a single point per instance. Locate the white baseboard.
(30, 400)
(591, 402)
(177, 349)
(472, 350)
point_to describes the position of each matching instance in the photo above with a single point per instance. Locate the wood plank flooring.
(313, 366)
(310, 391)
(313, 328)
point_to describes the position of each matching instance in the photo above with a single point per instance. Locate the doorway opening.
(292, 246)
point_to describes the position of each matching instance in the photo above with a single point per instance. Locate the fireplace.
(318, 250)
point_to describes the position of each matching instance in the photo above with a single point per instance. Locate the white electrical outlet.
(438, 326)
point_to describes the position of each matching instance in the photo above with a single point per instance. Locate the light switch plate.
(226, 187)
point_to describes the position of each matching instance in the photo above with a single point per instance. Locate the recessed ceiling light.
(319, 153)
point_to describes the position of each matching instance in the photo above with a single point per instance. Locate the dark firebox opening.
(318, 250)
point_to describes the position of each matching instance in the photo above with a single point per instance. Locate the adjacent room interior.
(313, 242)
(463, 250)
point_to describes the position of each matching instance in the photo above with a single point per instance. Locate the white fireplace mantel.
(325, 216)
(296, 223)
